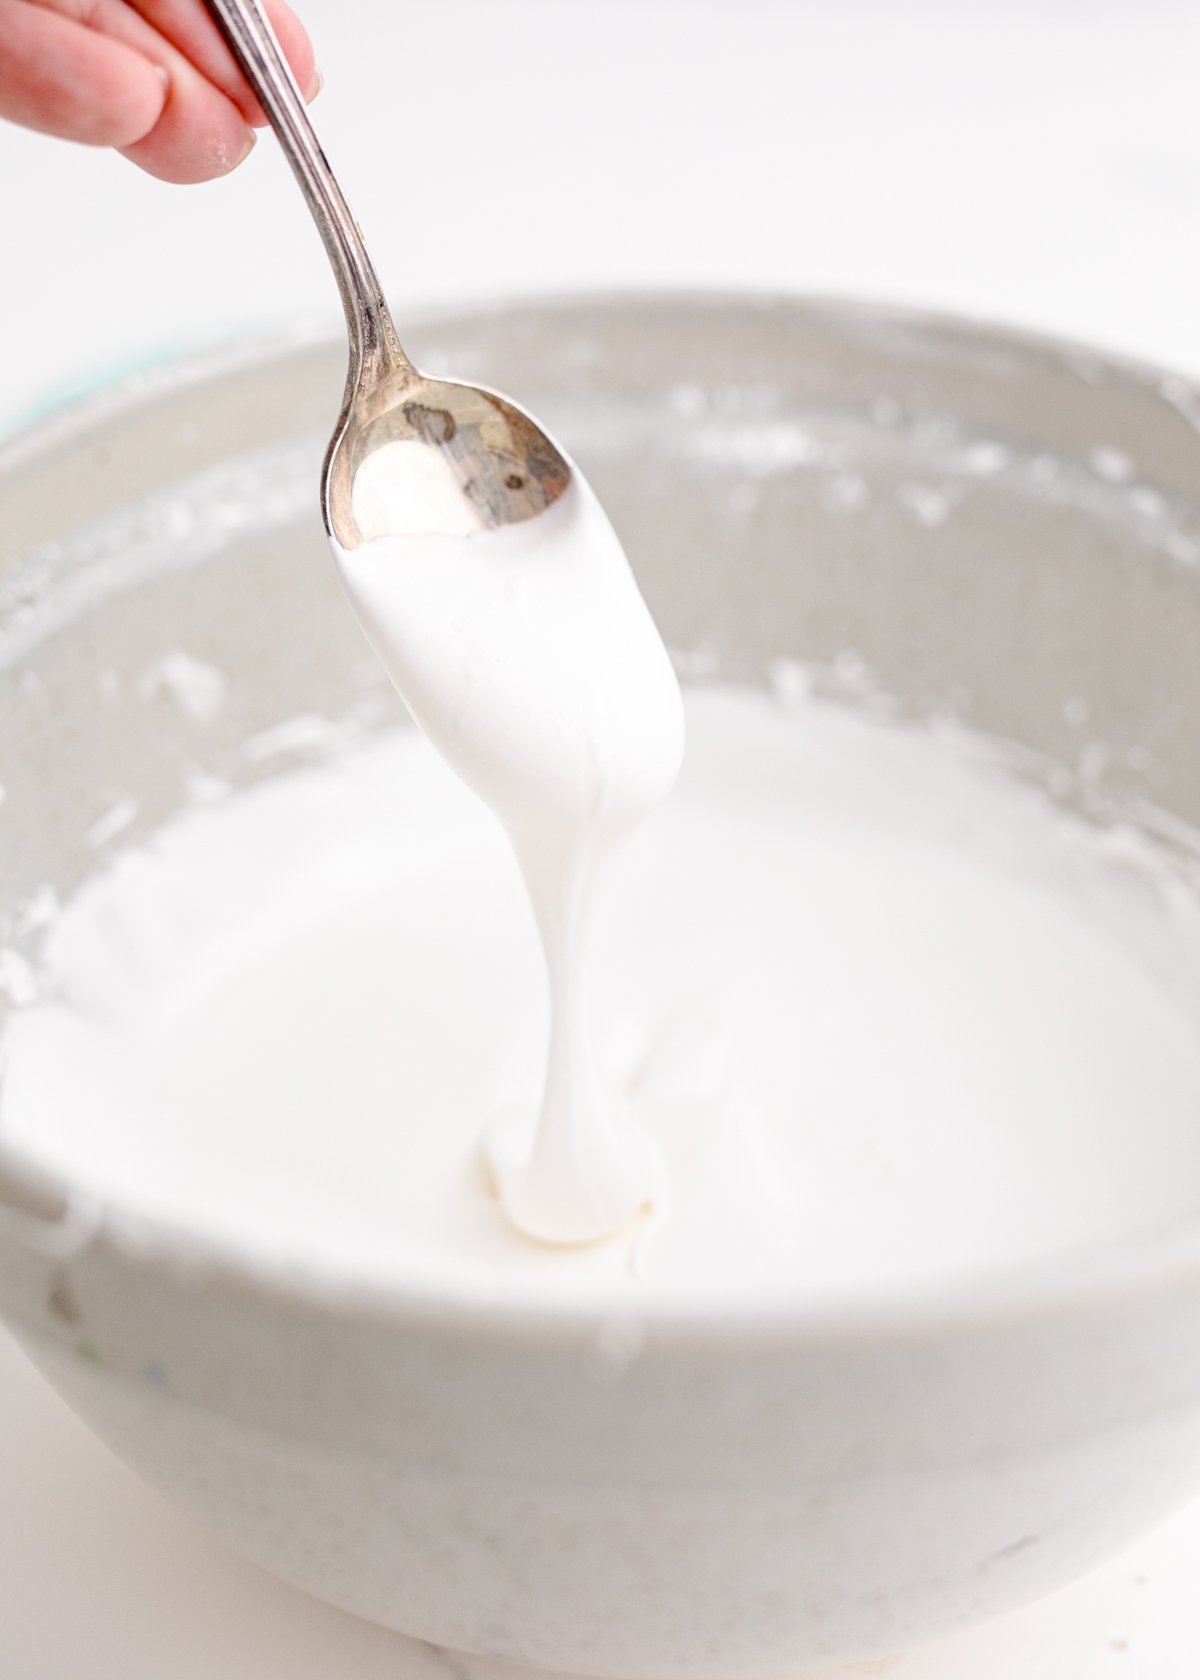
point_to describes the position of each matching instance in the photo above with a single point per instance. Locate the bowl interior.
(948, 521)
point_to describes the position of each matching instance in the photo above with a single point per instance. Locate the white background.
(1032, 160)
(1036, 161)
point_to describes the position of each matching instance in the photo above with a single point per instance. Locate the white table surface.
(1036, 161)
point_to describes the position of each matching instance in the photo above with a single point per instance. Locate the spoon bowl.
(416, 456)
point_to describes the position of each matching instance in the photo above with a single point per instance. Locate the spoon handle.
(374, 347)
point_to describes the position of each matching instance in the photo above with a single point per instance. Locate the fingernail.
(316, 83)
(251, 140)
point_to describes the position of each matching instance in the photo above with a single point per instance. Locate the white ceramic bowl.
(992, 524)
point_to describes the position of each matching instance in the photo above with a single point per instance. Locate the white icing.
(196, 687)
(529, 659)
(892, 1017)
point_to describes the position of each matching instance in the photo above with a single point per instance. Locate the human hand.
(151, 77)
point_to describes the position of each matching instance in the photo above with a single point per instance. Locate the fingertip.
(200, 136)
(188, 167)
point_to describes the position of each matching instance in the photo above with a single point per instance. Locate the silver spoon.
(409, 455)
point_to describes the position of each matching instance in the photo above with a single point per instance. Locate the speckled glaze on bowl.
(994, 528)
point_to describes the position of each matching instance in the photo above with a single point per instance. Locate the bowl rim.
(165, 371)
(67, 1220)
